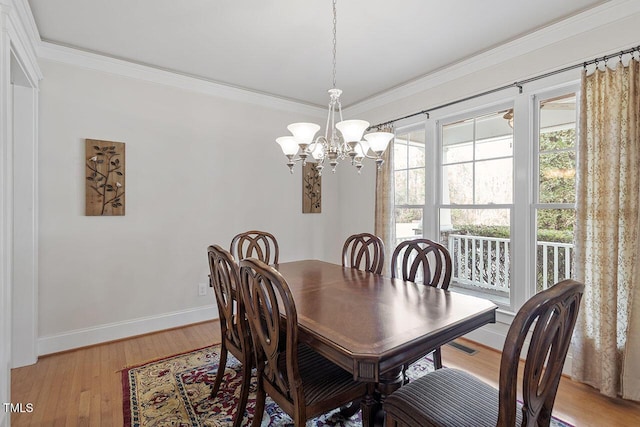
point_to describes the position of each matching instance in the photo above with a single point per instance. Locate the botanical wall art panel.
(311, 189)
(105, 183)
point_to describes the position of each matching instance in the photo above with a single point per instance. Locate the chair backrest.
(225, 280)
(428, 261)
(255, 244)
(554, 312)
(363, 251)
(266, 294)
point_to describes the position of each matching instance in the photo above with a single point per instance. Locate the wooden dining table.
(371, 325)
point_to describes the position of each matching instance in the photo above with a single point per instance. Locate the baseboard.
(495, 339)
(119, 330)
(487, 337)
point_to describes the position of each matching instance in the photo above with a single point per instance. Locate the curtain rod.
(517, 84)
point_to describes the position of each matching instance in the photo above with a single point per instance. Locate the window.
(476, 201)
(496, 186)
(409, 176)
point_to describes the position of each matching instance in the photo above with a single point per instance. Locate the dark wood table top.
(370, 324)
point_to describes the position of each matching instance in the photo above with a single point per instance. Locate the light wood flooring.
(83, 387)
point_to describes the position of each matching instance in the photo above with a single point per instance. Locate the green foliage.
(559, 236)
(408, 215)
(557, 178)
(483, 230)
(544, 235)
(557, 140)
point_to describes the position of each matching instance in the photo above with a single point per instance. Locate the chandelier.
(340, 141)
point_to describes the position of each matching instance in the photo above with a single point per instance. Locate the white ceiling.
(283, 47)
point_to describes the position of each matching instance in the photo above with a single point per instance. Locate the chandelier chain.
(335, 21)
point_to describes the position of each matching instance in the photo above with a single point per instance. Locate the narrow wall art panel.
(105, 183)
(311, 189)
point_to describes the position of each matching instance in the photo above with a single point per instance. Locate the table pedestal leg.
(370, 405)
(372, 413)
(389, 382)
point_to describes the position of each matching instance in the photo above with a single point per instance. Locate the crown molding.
(592, 18)
(28, 22)
(25, 38)
(102, 63)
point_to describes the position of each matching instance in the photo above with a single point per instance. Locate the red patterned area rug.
(176, 391)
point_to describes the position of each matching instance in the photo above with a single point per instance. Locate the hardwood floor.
(83, 387)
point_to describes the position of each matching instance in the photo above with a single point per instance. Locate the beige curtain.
(384, 223)
(606, 234)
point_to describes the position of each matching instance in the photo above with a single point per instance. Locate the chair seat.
(446, 397)
(323, 379)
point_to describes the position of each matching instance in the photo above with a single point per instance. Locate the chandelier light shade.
(288, 144)
(304, 132)
(341, 140)
(352, 130)
(378, 141)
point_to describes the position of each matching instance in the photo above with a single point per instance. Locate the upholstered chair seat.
(446, 397)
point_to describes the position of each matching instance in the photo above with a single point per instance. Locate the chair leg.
(437, 358)
(389, 421)
(260, 400)
(300, 417)
(221, 368)
(244, 394)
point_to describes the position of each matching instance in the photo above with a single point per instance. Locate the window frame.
(420, 126)
(523, 227)
(438, 202)
(536, 99)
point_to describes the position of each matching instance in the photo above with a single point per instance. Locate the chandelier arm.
(319, 140)
(297, 159)
(340, 109)
(332, 113)
(329, 114)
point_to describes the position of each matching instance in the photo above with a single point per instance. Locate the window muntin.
(477, 160)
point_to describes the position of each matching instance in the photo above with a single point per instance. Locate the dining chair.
(301, 381)
(234, 329)
(255, 244)
(363, 251)
(451, 397)
(427, 262)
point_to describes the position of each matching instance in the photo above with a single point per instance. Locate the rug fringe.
(137, 365)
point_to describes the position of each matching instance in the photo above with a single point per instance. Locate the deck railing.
(485, 262)
(482, 262)
(554, 263)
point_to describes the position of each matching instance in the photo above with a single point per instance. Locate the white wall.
(603, 31)
(199, 169)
